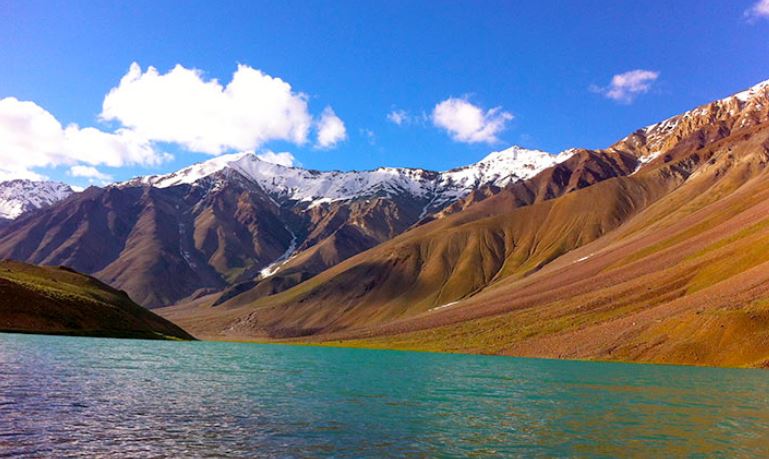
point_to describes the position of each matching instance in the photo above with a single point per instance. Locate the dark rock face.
(162, 245)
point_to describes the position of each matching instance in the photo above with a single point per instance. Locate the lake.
(63, 396)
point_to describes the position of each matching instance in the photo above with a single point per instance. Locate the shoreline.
(343, 345)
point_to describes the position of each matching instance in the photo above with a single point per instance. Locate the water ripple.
(89, 397)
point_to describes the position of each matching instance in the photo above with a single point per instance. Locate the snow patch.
(583, 258)
(746, 95)
(184, 253)
(275, 266)
(443, 306)
(644, 160)
(20, 196)
(285, 183)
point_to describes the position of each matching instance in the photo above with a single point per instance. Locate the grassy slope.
(439, 262)
(649, 268)
(418, 270)
(684, 281)
(60, 301)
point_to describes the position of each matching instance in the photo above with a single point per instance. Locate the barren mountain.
(650, 250)
(237, 223)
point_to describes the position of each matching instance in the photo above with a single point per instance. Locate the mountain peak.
(750, 93)
(286, 183)
(503, 167)
(741, 110)
(513, 152)
(22, 195)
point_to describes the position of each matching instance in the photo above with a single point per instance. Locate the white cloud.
(31, 137)
(331, 129)
(759, 10)
(399, 117)
(89, 172)
(470, 123)
(283, 158)
(202, 115)
(13, 173)
(123, 147)
(625, 87)
(181, 107)
(402, 117)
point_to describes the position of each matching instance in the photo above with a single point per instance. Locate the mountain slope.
(448, 259)
(160, 245)
(657, 258)
(684, 281)
(311, 188)
(236, 222)
(60, 301)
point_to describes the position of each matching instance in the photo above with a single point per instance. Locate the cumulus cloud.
(123, 147)
(149, 108)
(625, 87)
(469, 123)
(759, 10)
(31, 137)
(89, 172)
(283, 158)
(331, 129)
(185, 108)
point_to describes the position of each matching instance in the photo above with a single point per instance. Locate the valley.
(649, 250)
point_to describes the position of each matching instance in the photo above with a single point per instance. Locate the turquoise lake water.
(62, 396)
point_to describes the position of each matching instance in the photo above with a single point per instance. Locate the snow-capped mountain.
(500, 168)
(20, 196)
(743, 109)
(238, 221)
(312, 187)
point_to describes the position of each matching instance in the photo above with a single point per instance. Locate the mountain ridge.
(312, 187)
(528, 263)
(580, 261)
(21, 195)
(60, 301)
(222, 223)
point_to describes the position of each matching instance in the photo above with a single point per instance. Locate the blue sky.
(537, 73)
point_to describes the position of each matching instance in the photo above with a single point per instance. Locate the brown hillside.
(164, 245)
(60, 301)
(665, 263)
(684, 281)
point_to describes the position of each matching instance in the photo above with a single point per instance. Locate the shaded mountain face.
(237, 223)
(160, 245)
(20, 196)
(510, 235)
(60, 301)
(650, 250)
